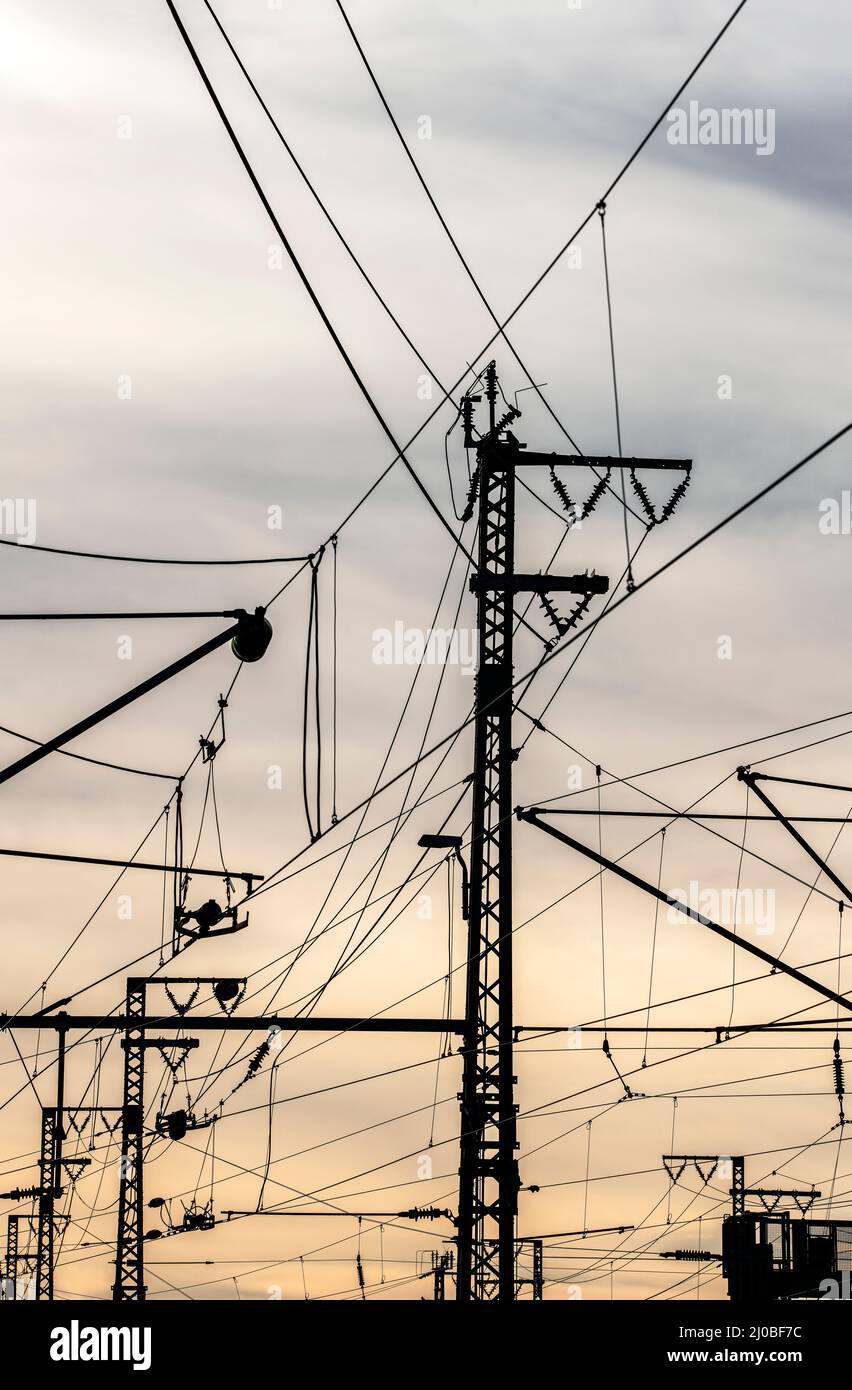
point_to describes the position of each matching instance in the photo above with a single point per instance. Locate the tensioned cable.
(576, 888)
(671, 1151)
(310, 936)
(813, 887)
(334, 682)
(593, 622)
(608, 1107)
(308, 1001)
(138, 959)
(653, 947)
(447, 394)
(626, 1253)
(660, 1004)
(693, 545)
(616, 180)
(149, 559)
(586, 633)
(391, 745)
(176, 795)
(547, 269)
(602, 214)
(533, 385)
(695, 821)
(312, 656)
(320, 204)
(712, 753)
(562, 898)
(297, 266)
(341, 962)
(601, 907)
(96, 762)
(703, 991)
(736, 912)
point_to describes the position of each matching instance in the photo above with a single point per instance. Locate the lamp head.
(253, 636)
(440, 842)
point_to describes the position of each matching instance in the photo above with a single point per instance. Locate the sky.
(168, 390)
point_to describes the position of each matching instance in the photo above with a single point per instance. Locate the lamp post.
(453, 842)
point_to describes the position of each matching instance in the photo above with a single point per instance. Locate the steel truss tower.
(20, 1264)
(47, 1184)
(489, 1180)
(11, 1289)
(488, 1170)
(129, 1283)
(129, 1265)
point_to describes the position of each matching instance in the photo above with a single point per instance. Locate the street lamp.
(453, 842)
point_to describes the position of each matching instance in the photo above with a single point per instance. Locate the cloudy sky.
(166, 386)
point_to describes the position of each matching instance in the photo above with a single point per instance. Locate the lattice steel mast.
(488, 1169)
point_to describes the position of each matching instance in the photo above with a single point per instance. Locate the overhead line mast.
(488, 1170)
(136, 1025)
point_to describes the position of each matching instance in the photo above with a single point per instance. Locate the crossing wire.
(312, 295)
(723, 31)
(602, 214)
(310, 935)
(623, 170)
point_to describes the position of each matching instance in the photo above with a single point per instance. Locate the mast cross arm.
(541, 583)
(536, 459)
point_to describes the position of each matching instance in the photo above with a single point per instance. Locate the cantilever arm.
(249, 636)
(751, 780)
(531, 815)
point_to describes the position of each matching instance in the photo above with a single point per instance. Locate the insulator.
(564, 625)
(467, 420)
(507, 419)
(551, 613)
(176, 1005)
(258, 1059)
(577, 514)
(837, 1065)
(181, 1046)
(425, 1213)
(647, 504)
(471, 497)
